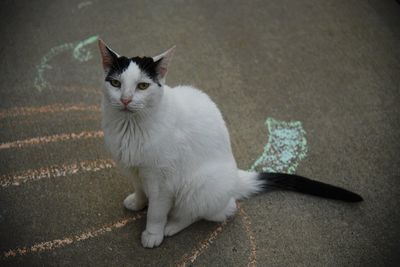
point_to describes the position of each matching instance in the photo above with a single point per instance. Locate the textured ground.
(334, 66)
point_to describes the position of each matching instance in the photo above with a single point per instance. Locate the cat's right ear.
(162, 62)
(108, 56)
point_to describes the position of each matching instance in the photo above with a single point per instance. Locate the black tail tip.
(297, 183)
(354, 198)
(344, 195)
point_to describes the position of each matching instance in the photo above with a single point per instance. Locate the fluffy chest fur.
(168, 135)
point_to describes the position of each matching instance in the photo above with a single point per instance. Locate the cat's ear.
(162, 61)
(108, 56)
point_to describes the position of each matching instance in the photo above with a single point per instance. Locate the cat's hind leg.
(177, 224)
(135, 201)
(228, 211)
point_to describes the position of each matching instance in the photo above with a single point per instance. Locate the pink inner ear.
(106, 58)
(162, 71)
(107, 61)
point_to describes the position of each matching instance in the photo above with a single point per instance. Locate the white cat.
(174, 144)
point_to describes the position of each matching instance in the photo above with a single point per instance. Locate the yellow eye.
(143, 86)
(115, 83)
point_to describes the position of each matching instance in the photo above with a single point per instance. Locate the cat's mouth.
(125, 109)
(129, 108)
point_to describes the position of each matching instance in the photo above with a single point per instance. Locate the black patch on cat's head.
(120, 64)
(148, 66)
(145, 64)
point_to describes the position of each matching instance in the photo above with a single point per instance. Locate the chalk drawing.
(84, 4)
(28, 122)
(201, 246)
(286, 147)
(252, 259)
(79, 52)
(55, 171)
(58, 243)
(29, 111)
(51, 139)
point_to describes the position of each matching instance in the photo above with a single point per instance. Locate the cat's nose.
(126, 101)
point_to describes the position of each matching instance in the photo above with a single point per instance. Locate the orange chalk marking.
(55, 171)
(250, 235)
(27, 111)
(201, 246)
(58, 243)
(51, 139)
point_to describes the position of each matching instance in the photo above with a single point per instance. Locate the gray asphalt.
(332, 65)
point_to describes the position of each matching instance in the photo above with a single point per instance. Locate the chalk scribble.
(79, 52)
(286, 147)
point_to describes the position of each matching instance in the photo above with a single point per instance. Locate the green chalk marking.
(286, 147)
(40, 83)
(84, 4)
(79, 52)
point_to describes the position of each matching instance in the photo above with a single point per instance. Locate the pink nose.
(126, 101)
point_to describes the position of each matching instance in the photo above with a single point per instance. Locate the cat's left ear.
(108, 56)
(162, 61)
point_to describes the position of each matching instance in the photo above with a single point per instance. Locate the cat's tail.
(252, 183)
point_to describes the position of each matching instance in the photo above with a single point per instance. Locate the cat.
(174, 145)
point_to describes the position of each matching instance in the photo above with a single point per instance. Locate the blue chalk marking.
(79, 52)
(286, 147)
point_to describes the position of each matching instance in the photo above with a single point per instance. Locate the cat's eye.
(115, 83)
(143, 86)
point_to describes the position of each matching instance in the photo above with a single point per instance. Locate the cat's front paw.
(150, 240)
(132, 202)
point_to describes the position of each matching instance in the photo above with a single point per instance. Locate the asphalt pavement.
(326, 71)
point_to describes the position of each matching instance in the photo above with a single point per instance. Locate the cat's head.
(133, 84)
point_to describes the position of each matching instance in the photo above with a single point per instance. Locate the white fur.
(175, 146)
